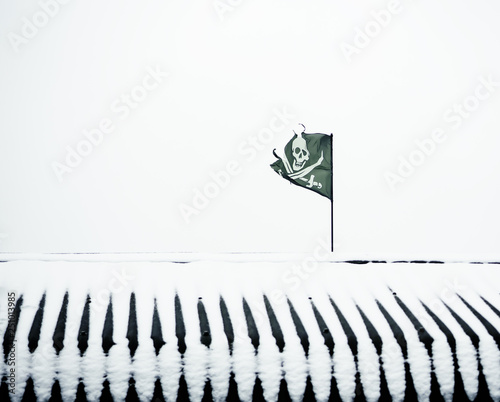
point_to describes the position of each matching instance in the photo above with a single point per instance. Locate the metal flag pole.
(331, 200)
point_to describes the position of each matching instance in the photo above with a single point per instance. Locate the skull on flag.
(300, 153)
(307, 162)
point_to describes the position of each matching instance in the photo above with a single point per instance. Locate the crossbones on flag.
(307, 162)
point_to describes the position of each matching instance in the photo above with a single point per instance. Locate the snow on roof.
(281, 330)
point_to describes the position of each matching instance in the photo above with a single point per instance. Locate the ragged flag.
(307, 162)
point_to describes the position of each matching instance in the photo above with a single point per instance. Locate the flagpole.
(331, 200)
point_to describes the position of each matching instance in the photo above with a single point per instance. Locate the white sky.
(226, 79)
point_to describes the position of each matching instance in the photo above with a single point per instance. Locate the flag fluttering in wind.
(307, 162)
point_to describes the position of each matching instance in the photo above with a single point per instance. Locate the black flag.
(307, 162)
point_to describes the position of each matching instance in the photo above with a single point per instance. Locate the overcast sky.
(191, 98)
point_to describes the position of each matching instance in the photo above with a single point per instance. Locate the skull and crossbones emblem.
(300, 153)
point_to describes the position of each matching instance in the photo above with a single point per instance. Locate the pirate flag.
(307, 162)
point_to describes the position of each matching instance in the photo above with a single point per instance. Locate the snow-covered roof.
(282, 330)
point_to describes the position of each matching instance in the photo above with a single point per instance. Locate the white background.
(226, 78)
